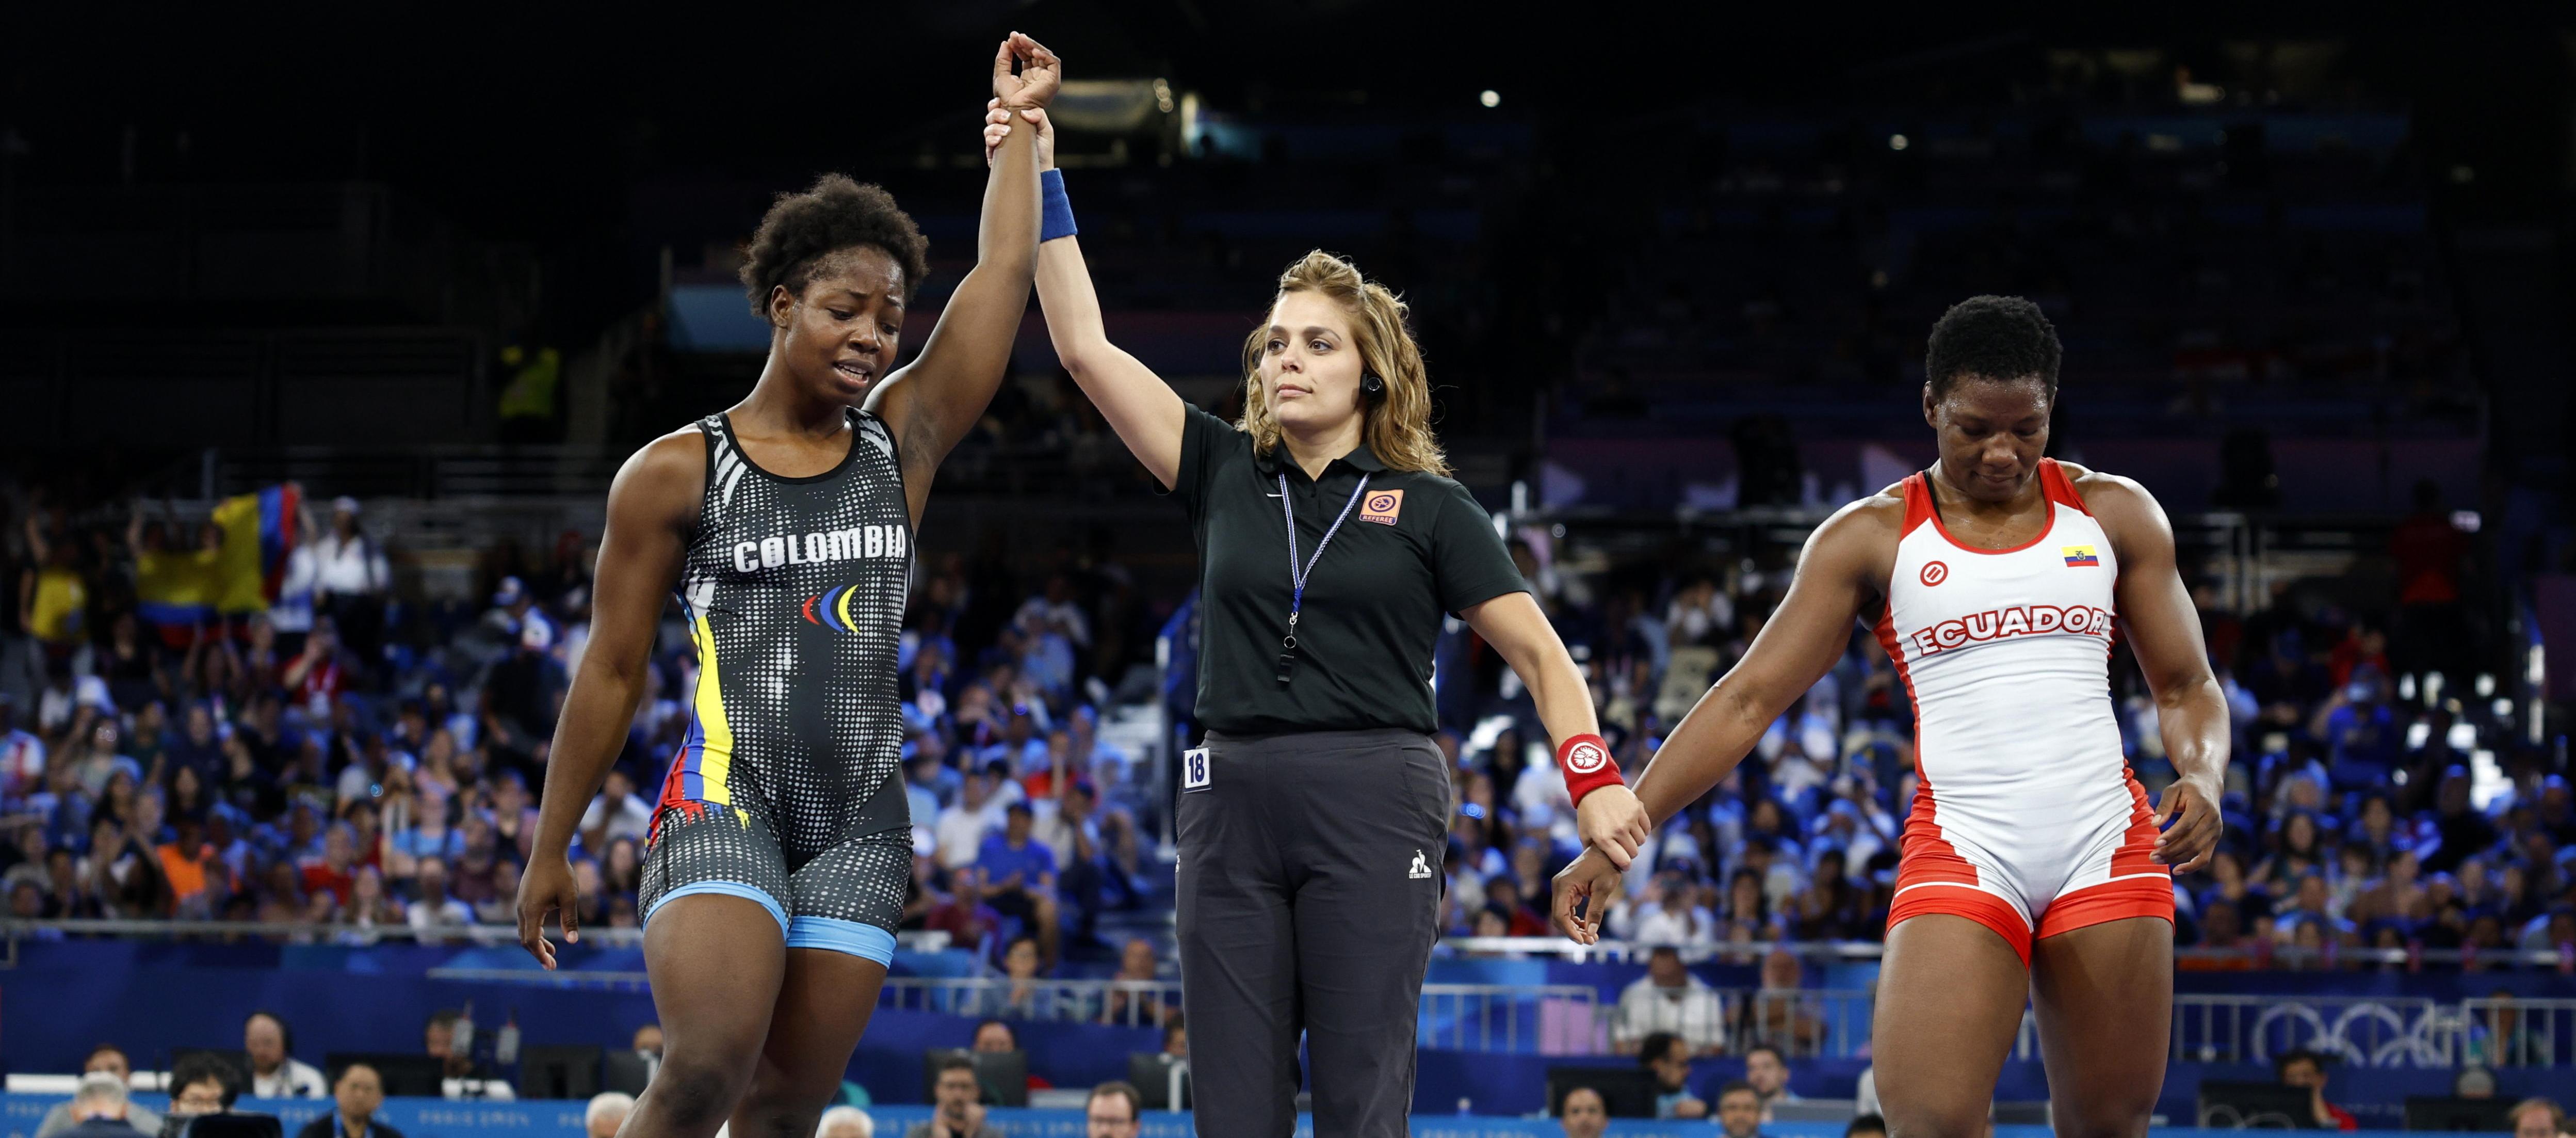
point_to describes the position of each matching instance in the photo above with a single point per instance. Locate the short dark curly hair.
(1992, 337)
(836, 213)
(203, 1066)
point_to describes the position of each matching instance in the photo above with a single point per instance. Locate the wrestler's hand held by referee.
(1613, 821)
(1592, 883)
(2187, 812)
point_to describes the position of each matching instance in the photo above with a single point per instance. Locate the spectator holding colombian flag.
(259, 531)
(231, 570)
(174, 581)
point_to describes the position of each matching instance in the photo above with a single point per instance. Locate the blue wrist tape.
(1056, 211)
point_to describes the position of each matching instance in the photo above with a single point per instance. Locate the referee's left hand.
(997, 126)
(1613, 821)
(1592, 882)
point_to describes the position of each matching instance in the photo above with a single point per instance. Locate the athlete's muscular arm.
(1609, 818)
(1843, 567)
(935, 400)
(1138, 404)
(2164, 631)
(652, 507)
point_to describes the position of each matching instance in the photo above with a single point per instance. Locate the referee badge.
(1381, 506)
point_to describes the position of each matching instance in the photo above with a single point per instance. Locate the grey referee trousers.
(1310, 877)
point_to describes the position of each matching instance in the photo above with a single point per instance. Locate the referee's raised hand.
(1591, 882)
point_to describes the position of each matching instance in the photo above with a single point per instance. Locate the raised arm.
(935, 400)
(652, 508)
(1841, 568)
(1144, 411)
(2164, 631)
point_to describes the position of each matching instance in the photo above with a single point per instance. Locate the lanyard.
(1297, 576)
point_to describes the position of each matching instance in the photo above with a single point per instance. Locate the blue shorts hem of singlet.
(726, 889)
(832, 934)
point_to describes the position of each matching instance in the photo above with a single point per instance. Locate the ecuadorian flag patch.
(2080, 555)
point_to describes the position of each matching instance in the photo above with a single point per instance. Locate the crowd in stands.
(342, 755)
(338, 752)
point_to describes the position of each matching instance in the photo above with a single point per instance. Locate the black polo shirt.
(1416, 547)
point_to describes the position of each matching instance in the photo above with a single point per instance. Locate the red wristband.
(1587, 764)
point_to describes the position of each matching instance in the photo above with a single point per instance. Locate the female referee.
(780, 851)
(2032, 866)
(1312, 824)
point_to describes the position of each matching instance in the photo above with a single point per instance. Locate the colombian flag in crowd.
(280, 509)
(185, 587)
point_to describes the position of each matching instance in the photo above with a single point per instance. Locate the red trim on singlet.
(2137, 848)
(1926, 856)
(1918, 503)
(2139, 887)
(2104, 903)
(1920, 483)
(1886, 630)
(2059, 488)
(1974, 904)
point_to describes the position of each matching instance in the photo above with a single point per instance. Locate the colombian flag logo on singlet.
(2080, 556)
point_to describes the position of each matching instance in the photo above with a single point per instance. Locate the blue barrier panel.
(2443, 986)
(1608, 979)
(415, 1117)
(1517, 1084)
(150, 998)
(432, 1118)
(888, 1062)
(56, 1013)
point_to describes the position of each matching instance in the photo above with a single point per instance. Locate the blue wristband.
(1056, 211)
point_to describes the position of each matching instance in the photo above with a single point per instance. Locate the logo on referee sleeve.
(1586, 758)
(1421, 867)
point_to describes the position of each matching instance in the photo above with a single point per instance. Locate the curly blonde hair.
(1398, 430)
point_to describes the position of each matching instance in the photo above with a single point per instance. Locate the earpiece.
(1372, 388)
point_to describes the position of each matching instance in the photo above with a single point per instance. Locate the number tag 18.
(1194, 769)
